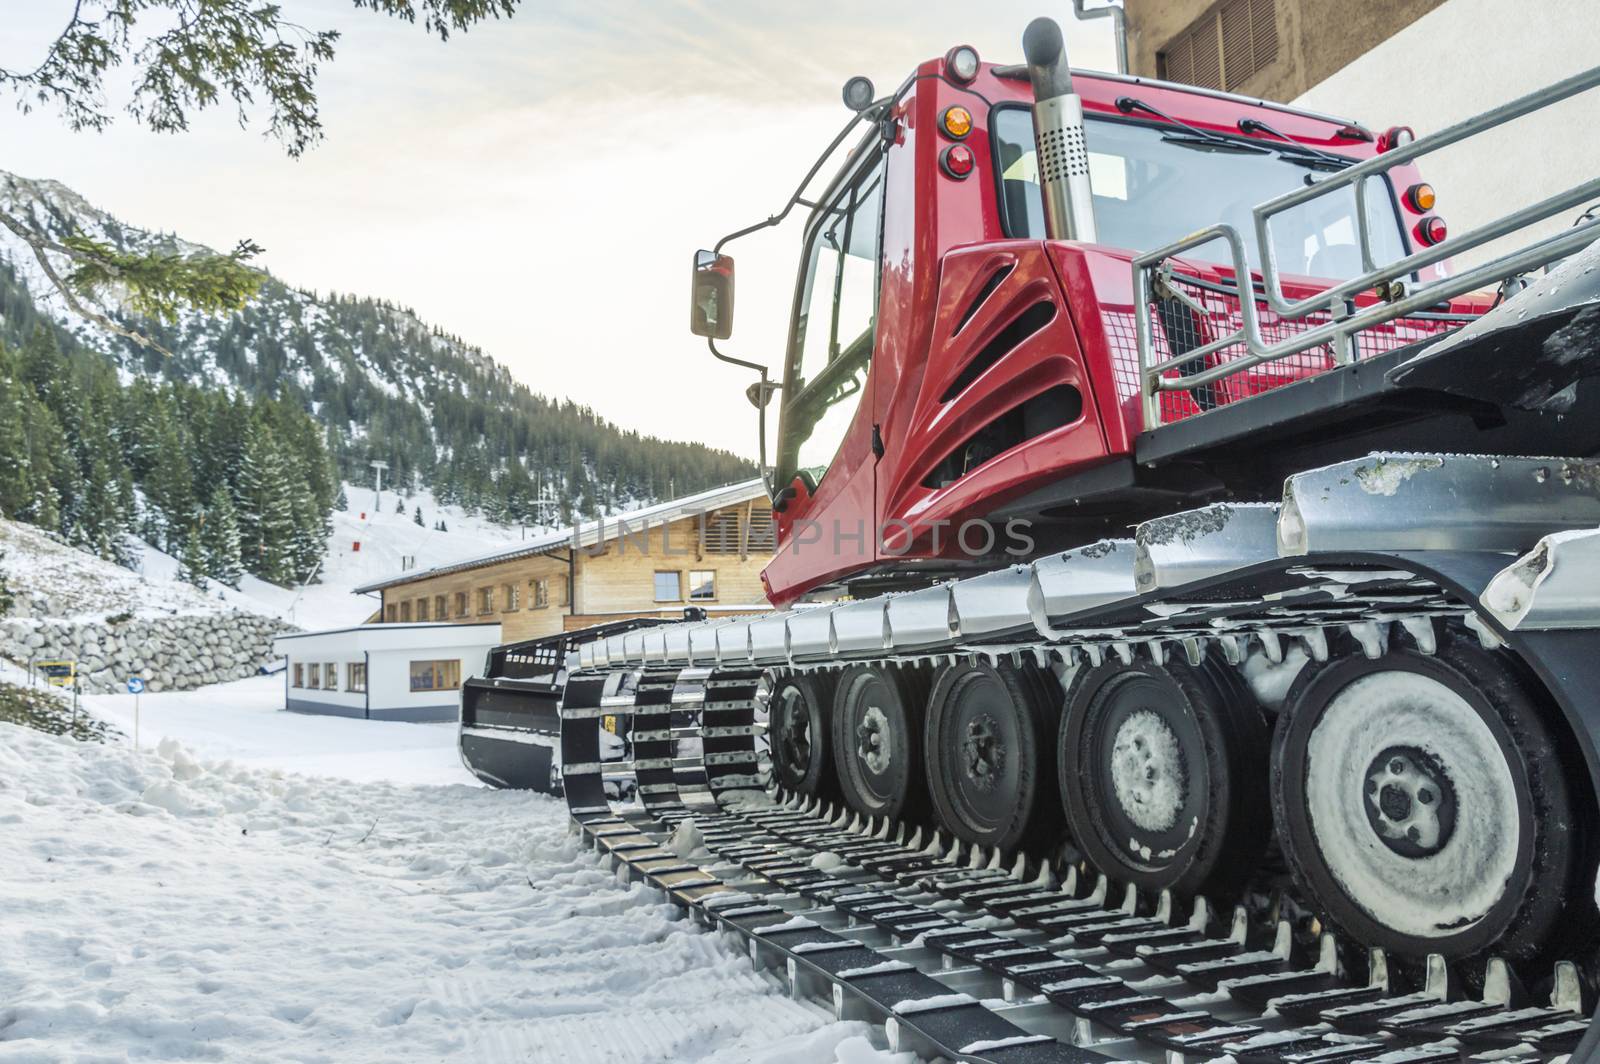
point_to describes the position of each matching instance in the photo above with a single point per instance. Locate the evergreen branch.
(39, 246)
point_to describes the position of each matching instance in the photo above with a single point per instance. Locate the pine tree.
(417, 517)
(220, 539)
(342, 503)
(306, 541)
(266, 522)
(6, 598)
(192, 561)
(399, 506)
(442, 528)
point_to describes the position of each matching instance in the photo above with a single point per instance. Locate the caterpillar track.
(1050, 945)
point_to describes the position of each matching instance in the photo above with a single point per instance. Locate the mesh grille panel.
(1176, 328)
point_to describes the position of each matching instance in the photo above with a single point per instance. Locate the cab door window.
(834, 324)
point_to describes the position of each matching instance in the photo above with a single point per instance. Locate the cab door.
(825, 460)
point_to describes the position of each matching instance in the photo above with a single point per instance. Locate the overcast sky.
(538, 186)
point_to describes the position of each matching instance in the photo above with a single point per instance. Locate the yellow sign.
(609, 723)
(58, 673)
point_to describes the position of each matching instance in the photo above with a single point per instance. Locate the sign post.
(136, 688)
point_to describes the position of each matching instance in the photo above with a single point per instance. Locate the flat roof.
(287, 636)
(587, 533)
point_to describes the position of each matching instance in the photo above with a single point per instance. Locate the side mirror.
(711, 302)
(760, 393)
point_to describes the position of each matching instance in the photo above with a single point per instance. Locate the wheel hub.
(794, 733)
(1147, 771)
(872, 741)
(1410, 801)
(983, 754)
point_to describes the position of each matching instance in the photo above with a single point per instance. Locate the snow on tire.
(1422, 803)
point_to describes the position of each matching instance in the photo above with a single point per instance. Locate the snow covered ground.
(163, 903)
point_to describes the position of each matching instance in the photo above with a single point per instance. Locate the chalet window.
(702, 585)
(461, 603)
(721, 533)
(440, 607)
(330, 676)
(435, 675)
(299, 675)
(485, 600)
(314, 677)
(566, 590)
(405, 611)
(761, 538)
(512, 594)
(422, 609)
(1225, 47)
(356, 676)
(541, 593)
(669, 586)
(391, 613)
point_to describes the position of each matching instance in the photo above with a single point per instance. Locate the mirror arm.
(873, 112)
(761, 411)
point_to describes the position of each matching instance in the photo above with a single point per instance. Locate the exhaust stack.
(1058, 133)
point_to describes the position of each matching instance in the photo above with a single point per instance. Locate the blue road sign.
(135, 685)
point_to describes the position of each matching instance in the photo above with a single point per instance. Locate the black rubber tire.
(1213, 842)
(1551, 837)
(804, 766)
(900, 695)
(1008, 799)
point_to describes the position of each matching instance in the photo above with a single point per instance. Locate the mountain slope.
(383, 383)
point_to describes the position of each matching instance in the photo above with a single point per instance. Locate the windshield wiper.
(1307, 155)
(1213, 141)
(1217, 144)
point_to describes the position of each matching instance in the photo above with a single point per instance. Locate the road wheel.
(797, 729)
(985, 753)
(877, 732)
(1422, 802)
(1163, 775)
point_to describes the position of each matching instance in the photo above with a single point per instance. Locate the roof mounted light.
(1394, 137)
(859, 93)
(961, 63)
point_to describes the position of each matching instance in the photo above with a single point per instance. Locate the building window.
(721, 533)
(511, 596)
(461, 603)
(356, 676)
(299, 675)
(435, 675)
(669, 586)
(541, 593)
(485, 600)
(405, 611)
(422, 609)
(330, 676)
(1225, 47)
(391, 613)
(440, 608)
(702, 585)
(760, 535)
(314, 677)
(566, 590)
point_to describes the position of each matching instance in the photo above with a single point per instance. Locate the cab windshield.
(1157, 184)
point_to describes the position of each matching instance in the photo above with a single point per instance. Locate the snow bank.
(158, 905)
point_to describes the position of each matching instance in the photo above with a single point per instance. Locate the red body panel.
(943, 241)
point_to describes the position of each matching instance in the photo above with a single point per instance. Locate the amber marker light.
(957, 122)
(1421, 198)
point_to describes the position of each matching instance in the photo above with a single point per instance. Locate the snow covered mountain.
(385, 384)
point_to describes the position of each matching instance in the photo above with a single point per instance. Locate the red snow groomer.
(1190, 593)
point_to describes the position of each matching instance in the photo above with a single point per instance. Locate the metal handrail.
(1338, 301)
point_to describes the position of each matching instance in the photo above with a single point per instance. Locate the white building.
(407, 672)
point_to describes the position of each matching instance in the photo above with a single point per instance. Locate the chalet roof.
(588, 533)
